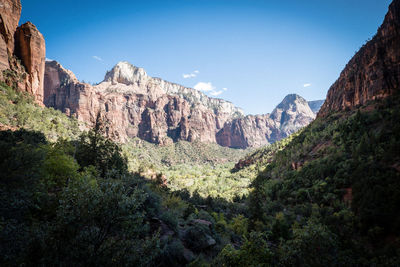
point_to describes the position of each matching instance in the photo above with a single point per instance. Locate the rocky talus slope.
(134, 104)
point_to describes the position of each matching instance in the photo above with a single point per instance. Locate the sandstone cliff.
(373, 72)
(134, 104)
(292, 114)
(22, 51)
(10, 11)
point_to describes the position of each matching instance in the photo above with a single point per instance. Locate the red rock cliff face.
(374, 72)
(31, 49)
(22, 51)
(138, 109)
(10, 11)
(136, 105)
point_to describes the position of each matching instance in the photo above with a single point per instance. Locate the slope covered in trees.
(331, 196)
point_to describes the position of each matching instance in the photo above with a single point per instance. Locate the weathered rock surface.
(31, 49)
(288, 117)
(22, 51)
(373, 72)
(134, 104)
(10, 11)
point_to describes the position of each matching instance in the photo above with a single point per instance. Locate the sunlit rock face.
(22, 51)
(31, 49)
(292, 114)
(134, 104)
(373, 72)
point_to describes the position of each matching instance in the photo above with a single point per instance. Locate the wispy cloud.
(307, 85)
(209, 88)
(190, 75)
(205, 87)
(97, 58)
(186, 76)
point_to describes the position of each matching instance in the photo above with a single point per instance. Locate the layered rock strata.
(134, 104)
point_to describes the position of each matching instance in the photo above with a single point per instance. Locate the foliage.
(330, 197)
(53, 211)
(18, 110)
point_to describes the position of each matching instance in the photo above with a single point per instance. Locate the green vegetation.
(331, 197)
(144, 154)
(326, 196)
(18, 110)
(73, 201)
(198, 167)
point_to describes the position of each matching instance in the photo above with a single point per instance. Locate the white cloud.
(186, 76)
(209, 88)
(307, 85)
(206, 87)
(48, 59)
(97, 58)
(190, 75)
(215, 93)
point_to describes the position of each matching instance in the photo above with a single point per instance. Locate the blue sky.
(250, 52)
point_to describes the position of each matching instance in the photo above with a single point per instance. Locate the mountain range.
(134, 104)
(325, 196)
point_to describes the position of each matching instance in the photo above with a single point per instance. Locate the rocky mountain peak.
(292, 101)
(125, 73)
(292, 105)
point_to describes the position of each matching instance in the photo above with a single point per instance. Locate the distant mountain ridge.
(316, 105)
(133, 104)
(137, 105)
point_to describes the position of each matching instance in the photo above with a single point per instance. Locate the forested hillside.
(330, 197)
(71, 194)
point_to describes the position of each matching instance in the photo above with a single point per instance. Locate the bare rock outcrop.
(31, 49)
(292, 114)
(134, 104)
(10, 11)
(373, 72)
(22, 51)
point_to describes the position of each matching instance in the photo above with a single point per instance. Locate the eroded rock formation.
(288, 117)
(10, 11)
(134, 104)
(373, 72)
(22, 51)
(31, 49)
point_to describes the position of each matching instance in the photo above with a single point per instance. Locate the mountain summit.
(137, 105)
(292, 114)
(125, 73)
